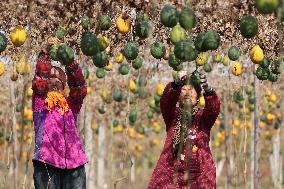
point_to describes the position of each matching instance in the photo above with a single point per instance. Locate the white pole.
(90, 175)
(132, 172)
(101, 156)
(15, 139)
(252, 156)
(256, 138)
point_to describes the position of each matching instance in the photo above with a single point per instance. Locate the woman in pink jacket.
(59, 157)
(186, 160)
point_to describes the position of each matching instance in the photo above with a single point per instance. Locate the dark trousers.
(49, 177)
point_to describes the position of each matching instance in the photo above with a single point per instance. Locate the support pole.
(256, 136)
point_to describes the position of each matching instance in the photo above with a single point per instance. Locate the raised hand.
(181, 78)
(204, 84)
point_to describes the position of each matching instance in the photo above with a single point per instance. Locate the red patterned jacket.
(200, 168)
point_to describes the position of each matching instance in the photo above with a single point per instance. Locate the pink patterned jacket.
(57, 142)
(199, 167)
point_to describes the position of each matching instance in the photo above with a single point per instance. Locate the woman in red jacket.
(186, 159)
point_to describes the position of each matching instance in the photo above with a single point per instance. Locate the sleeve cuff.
(209, 92)
(177, 83)
(73, 67)
(175, 86)
(78, 94)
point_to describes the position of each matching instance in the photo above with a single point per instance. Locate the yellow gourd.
(23, 67)
(132, 85)
(220, 136)
(270, 117)
(108, 67)
(256, 54)
(217, 144)
(236, 122)
(30, 117)
(131, 132)
(157, 129)
(217, 122)
(155, 142)
(217, 58)
(30, 91)
(107, 50)
(160, 89)
(119, 58)
(118, 129)
(249, 126)
(237, 68)
(94, 126)
(123, 25)
(202, 101)
(140, 136)
(201, 59)
(28, 113)
(89, 90)
(272, 98)
(18, 36)
(2, 68)
(226, 61)
(138, 147)
(156, 124)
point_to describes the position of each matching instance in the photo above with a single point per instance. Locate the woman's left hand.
(204, 84)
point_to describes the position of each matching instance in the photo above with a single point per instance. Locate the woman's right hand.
(181, 78)
(182, 75)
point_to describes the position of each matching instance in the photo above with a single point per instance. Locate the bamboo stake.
(26, 78)
(27, 166)
(15, 134)
(101, 156)
(101, 151)
(227, 142)
(245, 129)
(111, 140)
(256, 176)
(89, 148)
(275, 160)
(5, 130)
(252, 155)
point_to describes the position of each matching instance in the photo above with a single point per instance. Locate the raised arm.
(212, 105)
(168, 102)
(77, 86)
(211, 110)
(40, 83)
